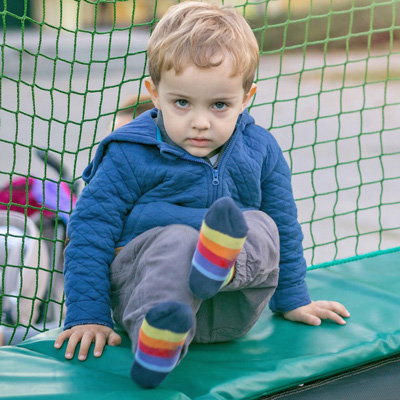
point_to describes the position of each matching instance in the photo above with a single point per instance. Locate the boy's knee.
(257, 265)
(263, 236)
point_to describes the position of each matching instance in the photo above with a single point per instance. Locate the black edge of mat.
(360, 371)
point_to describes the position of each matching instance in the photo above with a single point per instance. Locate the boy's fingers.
(334, 306)
(310, 319)
(341, 310)
(100, 342)
(86, 341)
(312, 313)
(72, 343)
(327, 314)
(114, 339)
(304, 317)
(61, 338)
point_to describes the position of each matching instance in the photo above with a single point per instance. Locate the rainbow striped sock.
(222, 236)
(161, 337)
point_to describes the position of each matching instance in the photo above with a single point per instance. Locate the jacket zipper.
(215, 181)
(215, 176)
(215, 172)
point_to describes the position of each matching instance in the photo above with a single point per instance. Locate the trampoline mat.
(276, 354)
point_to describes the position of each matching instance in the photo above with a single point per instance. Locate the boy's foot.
(222, 236)
(162, 335)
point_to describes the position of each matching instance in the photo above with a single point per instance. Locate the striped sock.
(222, 236)
(161, 337)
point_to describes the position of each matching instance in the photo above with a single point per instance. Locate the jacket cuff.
(287, 299)
(87, 312)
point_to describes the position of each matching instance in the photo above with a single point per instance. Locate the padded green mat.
(275, 355)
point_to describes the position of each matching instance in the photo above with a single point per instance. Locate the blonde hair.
(204, 35)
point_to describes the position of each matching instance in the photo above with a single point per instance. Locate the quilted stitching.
(136, 183)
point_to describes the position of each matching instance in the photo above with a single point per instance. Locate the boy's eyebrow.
(219, 98)
(176, 94)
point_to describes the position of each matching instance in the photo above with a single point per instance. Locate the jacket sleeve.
(279, 204)
(94, 228)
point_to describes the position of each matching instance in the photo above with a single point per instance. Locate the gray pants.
(154, 267)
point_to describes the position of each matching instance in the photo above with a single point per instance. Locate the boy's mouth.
(199, 142)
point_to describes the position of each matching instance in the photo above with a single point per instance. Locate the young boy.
(134, 104)
(188, 217)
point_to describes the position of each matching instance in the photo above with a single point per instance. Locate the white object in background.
(26, 275)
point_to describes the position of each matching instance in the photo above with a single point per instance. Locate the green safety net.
(328, 90)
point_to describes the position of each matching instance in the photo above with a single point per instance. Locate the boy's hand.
(86, 334)
(312, 313)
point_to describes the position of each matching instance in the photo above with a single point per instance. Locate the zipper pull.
(215, 181)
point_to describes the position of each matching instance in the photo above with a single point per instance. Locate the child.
(134, 105)
(195, 163)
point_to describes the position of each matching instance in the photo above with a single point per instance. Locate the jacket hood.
(143, 130)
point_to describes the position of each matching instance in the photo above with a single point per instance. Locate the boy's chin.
(200, 153)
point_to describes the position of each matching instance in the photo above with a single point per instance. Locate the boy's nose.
(200, 121)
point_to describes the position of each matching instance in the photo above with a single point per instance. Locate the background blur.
(328, 89)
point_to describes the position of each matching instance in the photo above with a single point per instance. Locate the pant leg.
(234, 311)
(151, 269)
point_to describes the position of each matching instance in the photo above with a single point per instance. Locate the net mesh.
(328, 90)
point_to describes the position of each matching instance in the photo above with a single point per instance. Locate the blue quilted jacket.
(136, 182)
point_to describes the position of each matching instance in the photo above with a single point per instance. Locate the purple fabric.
(56, 197)
(27, 193)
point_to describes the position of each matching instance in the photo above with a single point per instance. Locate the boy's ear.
(151, 88)
(249, 95)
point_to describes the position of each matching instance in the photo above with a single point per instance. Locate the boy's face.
(200, 106)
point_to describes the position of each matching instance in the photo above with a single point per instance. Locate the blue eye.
(182, 103)
(219, 105)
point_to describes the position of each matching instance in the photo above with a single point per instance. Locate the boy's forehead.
(214, 83)
(225, 69)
